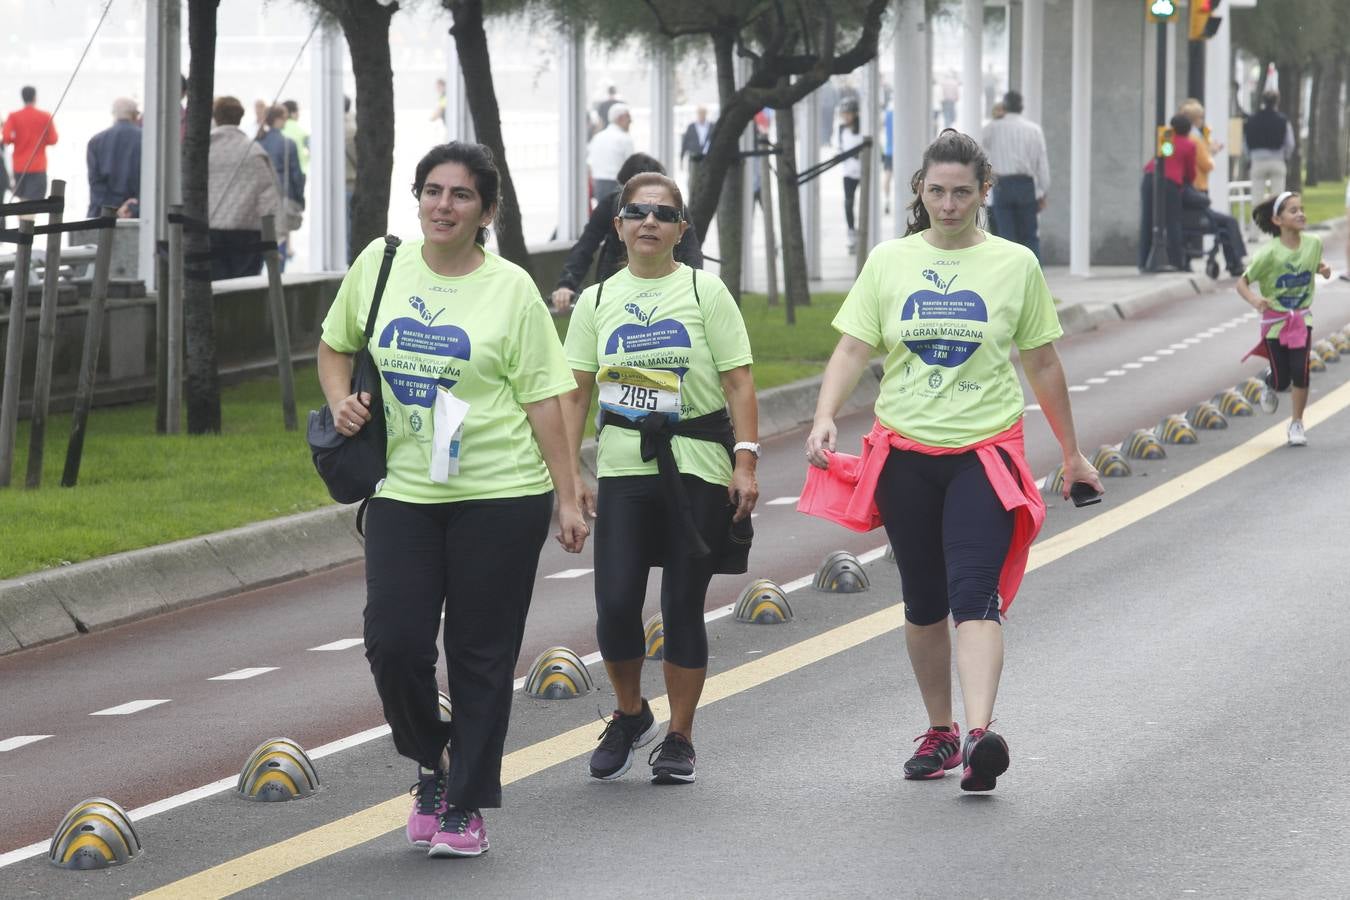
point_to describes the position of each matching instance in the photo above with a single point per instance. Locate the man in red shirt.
(31, 131)
(1178, 170)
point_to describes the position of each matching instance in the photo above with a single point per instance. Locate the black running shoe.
(986, 757)
(672, 761)
(938, 751)
(614, 756)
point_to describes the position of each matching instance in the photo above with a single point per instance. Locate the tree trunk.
(722, 171)
(1324, 150)
(1291, 104)
(795, 290)
(472, 47)
(199, 332)
(365, 25)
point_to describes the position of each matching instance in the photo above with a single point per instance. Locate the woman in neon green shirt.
(471, 375)
(1283, 269)
(947, 470)
(667, 349)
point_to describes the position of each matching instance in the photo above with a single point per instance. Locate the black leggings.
(850, 189)
(634, 531)
(1288, 365)
(476, 560)
(950, 533)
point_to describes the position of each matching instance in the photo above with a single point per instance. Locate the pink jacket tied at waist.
(1293, 335)
(845, 493)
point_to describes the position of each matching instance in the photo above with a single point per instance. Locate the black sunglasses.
(641, 211)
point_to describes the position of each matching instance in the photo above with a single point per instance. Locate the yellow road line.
(273, 861)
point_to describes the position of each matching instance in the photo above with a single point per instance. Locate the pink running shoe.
(938, 752)
(429, 805)
(986, 756)
(461, 833)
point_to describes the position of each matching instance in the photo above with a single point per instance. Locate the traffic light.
(1161, 10)
(1166, 141)
(1204, 24)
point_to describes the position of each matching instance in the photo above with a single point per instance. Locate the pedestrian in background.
(242, 189)
(1283, 270)
(1016, 148)
(477, 450)
(31, 131)
(944, 468)
(849, 137)
(349, 151)
(290, 178)
(676, 472)
(601, 234)
(297, 132)
(698, 137)
(1269, 141)
(1226, 230)
(1178, 171)
(113, 158)
(608, 149)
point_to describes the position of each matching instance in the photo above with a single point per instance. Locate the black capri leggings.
(1288, 365)
(634, 531)
(950, 533)
(476, 560)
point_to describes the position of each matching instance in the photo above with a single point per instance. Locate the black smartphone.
(1084, 494)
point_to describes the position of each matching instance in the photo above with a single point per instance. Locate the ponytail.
(1263, 214)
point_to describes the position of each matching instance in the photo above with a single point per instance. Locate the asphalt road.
(1157, 696)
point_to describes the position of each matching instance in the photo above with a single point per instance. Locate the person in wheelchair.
(1224, 227)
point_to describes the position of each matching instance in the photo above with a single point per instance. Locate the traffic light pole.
(1157, 252)
(1195, 69)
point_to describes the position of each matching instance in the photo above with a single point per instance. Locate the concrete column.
(458, 121)
(1218, 102)
(873, 125)
(1080, 153)
(161, 151)
(808, 155)
(327, 206)
(1015, 36)
(968, 113)
(663, 106)
(1033, 49)
(912, 90)
(572, 134)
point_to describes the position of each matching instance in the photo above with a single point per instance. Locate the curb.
(43, 607)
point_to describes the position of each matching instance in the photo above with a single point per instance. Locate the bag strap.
(693, 278)
(390, 248)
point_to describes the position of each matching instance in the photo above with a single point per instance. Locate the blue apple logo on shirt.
(412, 381)
(648, 335)
(935, 342)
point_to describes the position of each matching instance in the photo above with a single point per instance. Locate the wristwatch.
(747, 445)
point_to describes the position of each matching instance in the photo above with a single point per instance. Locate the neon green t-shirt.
(487, 337)
(1287, 278)
(652, 340)
(947, 320)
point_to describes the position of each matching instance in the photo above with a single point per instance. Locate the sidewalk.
(59, 603)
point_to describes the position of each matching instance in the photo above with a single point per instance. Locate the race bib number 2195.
(634, 392)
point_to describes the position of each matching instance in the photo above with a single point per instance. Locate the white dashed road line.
(1077, 388)
(127, 709)
(22, 740)
(782, 501)
(344, 644)
(241, 674)
(570, 573)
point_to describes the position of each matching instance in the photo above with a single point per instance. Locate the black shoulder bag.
(352, 467)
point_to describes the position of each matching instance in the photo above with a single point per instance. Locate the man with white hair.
(114, 158)
(608, 149)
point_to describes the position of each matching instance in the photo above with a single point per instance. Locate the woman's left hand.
(743, 492)
(1076, 469)
(1324, 270)
(572, 528)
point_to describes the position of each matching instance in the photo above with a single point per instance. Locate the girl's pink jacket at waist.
(845, 493)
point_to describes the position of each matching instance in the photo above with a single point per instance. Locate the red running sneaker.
(939, 751)
(986, 756)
